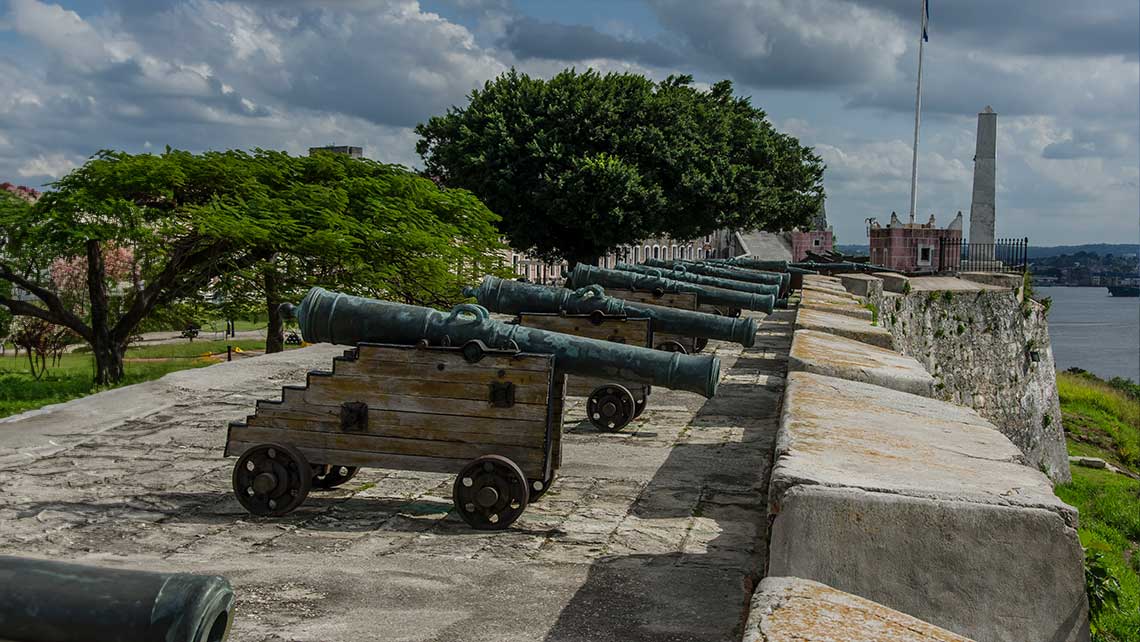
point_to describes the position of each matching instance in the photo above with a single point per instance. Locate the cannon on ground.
(752, 263)
(432, 391)
(731, 300)
(681, 274)
(610, 405)
(783, 279)
(49, 601)
(683, 301)
(669, 322)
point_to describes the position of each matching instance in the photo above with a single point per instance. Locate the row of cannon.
(422, 389)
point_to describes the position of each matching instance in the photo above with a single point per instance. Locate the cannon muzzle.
(47, 601)
(512, 297)
(680, 273)
(584, 275)
(332, 317)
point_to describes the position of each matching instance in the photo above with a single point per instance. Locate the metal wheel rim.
(610, 408)
(292, 479)
(509, 484)
(331, 476)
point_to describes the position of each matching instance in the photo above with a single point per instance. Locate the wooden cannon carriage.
(610, 405)
(493, 417)
(406, 398)
(679, 300)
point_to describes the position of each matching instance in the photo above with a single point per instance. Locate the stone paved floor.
(655, 533)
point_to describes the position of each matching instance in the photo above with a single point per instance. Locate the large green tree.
(188, 221)
(583, 163)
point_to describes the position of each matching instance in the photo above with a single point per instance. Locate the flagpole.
(917, 112)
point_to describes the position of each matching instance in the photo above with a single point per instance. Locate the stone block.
(864, 285)
(893, 282)
(859, 329)
(1007, 281)
(828, 301)
(836, 356)
(924, 507)
(790, 609)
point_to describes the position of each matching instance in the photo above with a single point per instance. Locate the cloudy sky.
(83, 75)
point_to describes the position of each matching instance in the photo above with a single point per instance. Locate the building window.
(700, 252)
(815, 242)
(673, 252)
(656, 252)
(924, 253)
(645, 255)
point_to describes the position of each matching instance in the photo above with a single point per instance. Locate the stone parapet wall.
(915, 503)
(988, 350)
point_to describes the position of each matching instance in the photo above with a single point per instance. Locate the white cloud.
(52, 165)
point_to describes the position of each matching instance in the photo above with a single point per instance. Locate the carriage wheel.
(639, 406)
(700, 343)
(326, 476)
(490, 492)
(538, 488)
(272, 479)
(610, 407)
(672, 346)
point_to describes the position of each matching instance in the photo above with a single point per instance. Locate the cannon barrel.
(584, 275)
(513, 297)
(325, 316)
(725, 272)
(754, 264)
(841, 266)
(761, 264)
(681, 274)
(48, 601)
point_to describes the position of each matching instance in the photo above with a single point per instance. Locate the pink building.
(819, 241)
(916, 247)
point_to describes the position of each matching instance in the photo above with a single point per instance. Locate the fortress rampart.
(885, 488)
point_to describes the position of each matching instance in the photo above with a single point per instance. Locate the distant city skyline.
(1064, 78)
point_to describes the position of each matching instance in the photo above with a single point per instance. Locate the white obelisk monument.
(985, 181)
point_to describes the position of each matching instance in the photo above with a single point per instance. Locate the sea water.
(1090, 329)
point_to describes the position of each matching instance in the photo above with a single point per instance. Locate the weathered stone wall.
(990, 351)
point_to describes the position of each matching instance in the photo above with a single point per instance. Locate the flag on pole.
(925, 19)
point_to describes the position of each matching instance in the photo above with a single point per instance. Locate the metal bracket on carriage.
(598, 317)
(354, 416)
(502, 394)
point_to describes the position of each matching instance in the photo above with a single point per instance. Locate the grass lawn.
(1101, 421)
(73, 377)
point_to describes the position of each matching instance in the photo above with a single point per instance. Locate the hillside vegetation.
(1103, 420)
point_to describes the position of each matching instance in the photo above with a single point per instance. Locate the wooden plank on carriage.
(637, 331)
(418, 403)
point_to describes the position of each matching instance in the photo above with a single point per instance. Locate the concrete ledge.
(839, 304)
(892, 282)
(864, 285)
(950, 284)
(924, 507)
(824, 283)
(790, 609)
(843, 325)
(836, 356)
(1007, 281)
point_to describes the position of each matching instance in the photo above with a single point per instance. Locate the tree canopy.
(583, 163)
(124, 234)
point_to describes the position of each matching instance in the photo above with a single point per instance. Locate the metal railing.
(1009, 255)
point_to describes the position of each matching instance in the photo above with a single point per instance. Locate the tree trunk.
(275, 333)
(108, 352)
(108, 361)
